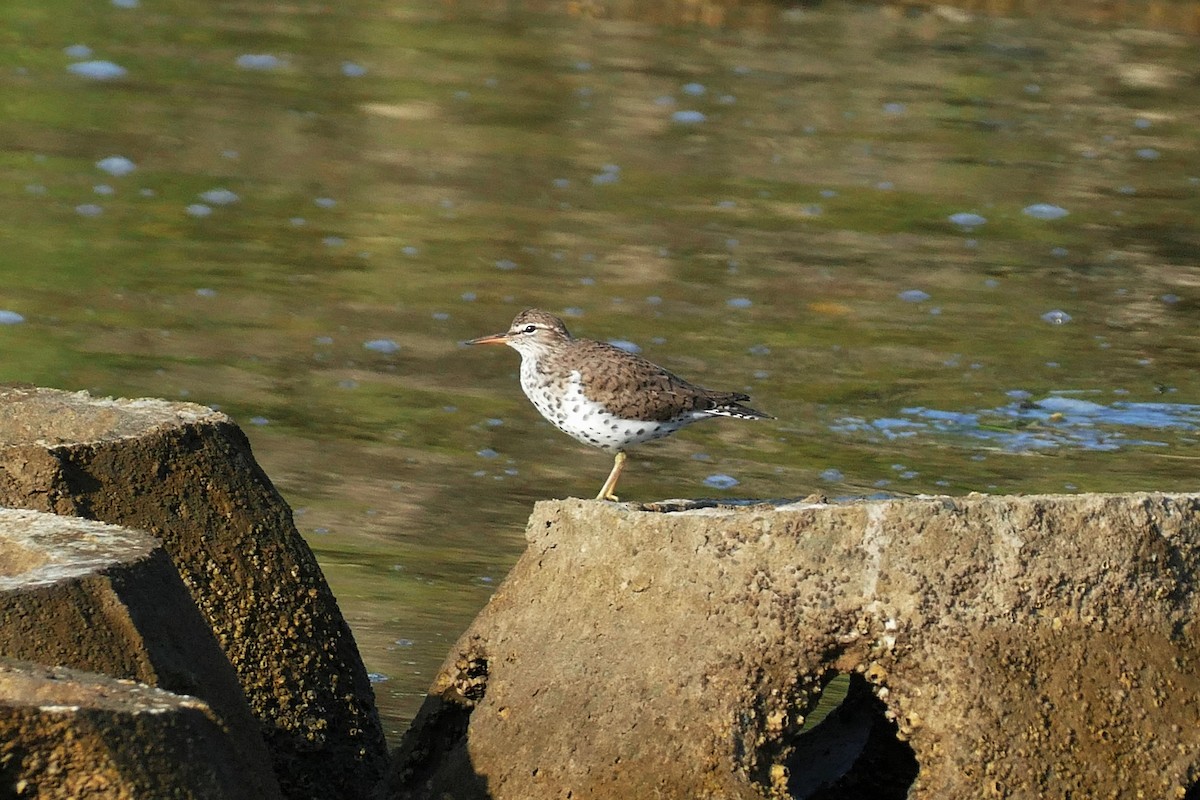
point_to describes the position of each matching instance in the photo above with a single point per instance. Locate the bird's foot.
(606, 491)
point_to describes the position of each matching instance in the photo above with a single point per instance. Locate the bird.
(604, 396)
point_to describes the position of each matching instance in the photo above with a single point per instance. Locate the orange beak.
(495, 338)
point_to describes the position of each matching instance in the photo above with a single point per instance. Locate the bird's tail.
(730, 406)
(739, 411)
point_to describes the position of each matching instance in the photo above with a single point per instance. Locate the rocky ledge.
(985, 646)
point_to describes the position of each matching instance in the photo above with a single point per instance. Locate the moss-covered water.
(950, 254)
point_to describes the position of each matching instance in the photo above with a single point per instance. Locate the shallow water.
(950, 254)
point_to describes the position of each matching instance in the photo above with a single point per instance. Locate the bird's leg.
(606, 492)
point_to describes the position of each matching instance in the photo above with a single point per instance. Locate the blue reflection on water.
(259, 61)
(97, 70)
(1045, 211)
(721, 481)
(1052, 422)
(116, 165)
(689, 117)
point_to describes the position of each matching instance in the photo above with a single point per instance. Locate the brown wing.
(635, 388)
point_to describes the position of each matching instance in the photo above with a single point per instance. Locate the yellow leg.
(606, 492)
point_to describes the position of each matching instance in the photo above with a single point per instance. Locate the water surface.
(949, 253)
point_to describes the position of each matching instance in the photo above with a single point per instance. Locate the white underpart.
(574, 414)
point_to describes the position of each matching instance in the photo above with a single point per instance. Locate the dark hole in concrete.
(1193, 792)
(852, 751)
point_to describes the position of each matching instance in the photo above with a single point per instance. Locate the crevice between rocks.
(432, 759)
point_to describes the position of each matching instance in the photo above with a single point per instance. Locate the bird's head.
(533, 331)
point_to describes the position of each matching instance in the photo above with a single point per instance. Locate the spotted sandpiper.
(605, 396)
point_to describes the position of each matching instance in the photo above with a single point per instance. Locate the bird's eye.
(530, 328)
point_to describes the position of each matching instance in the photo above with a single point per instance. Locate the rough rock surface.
(1021, 647)
(70, 735)
(185, 474)
(95, 597)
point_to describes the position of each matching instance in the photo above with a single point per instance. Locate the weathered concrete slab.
(105, 599)
(71, 735)
(1022, 647)
(185, 474)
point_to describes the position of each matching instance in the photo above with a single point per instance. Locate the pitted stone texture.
(105, 599)
(71, 735)
(1026, 647)
(185, 474)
